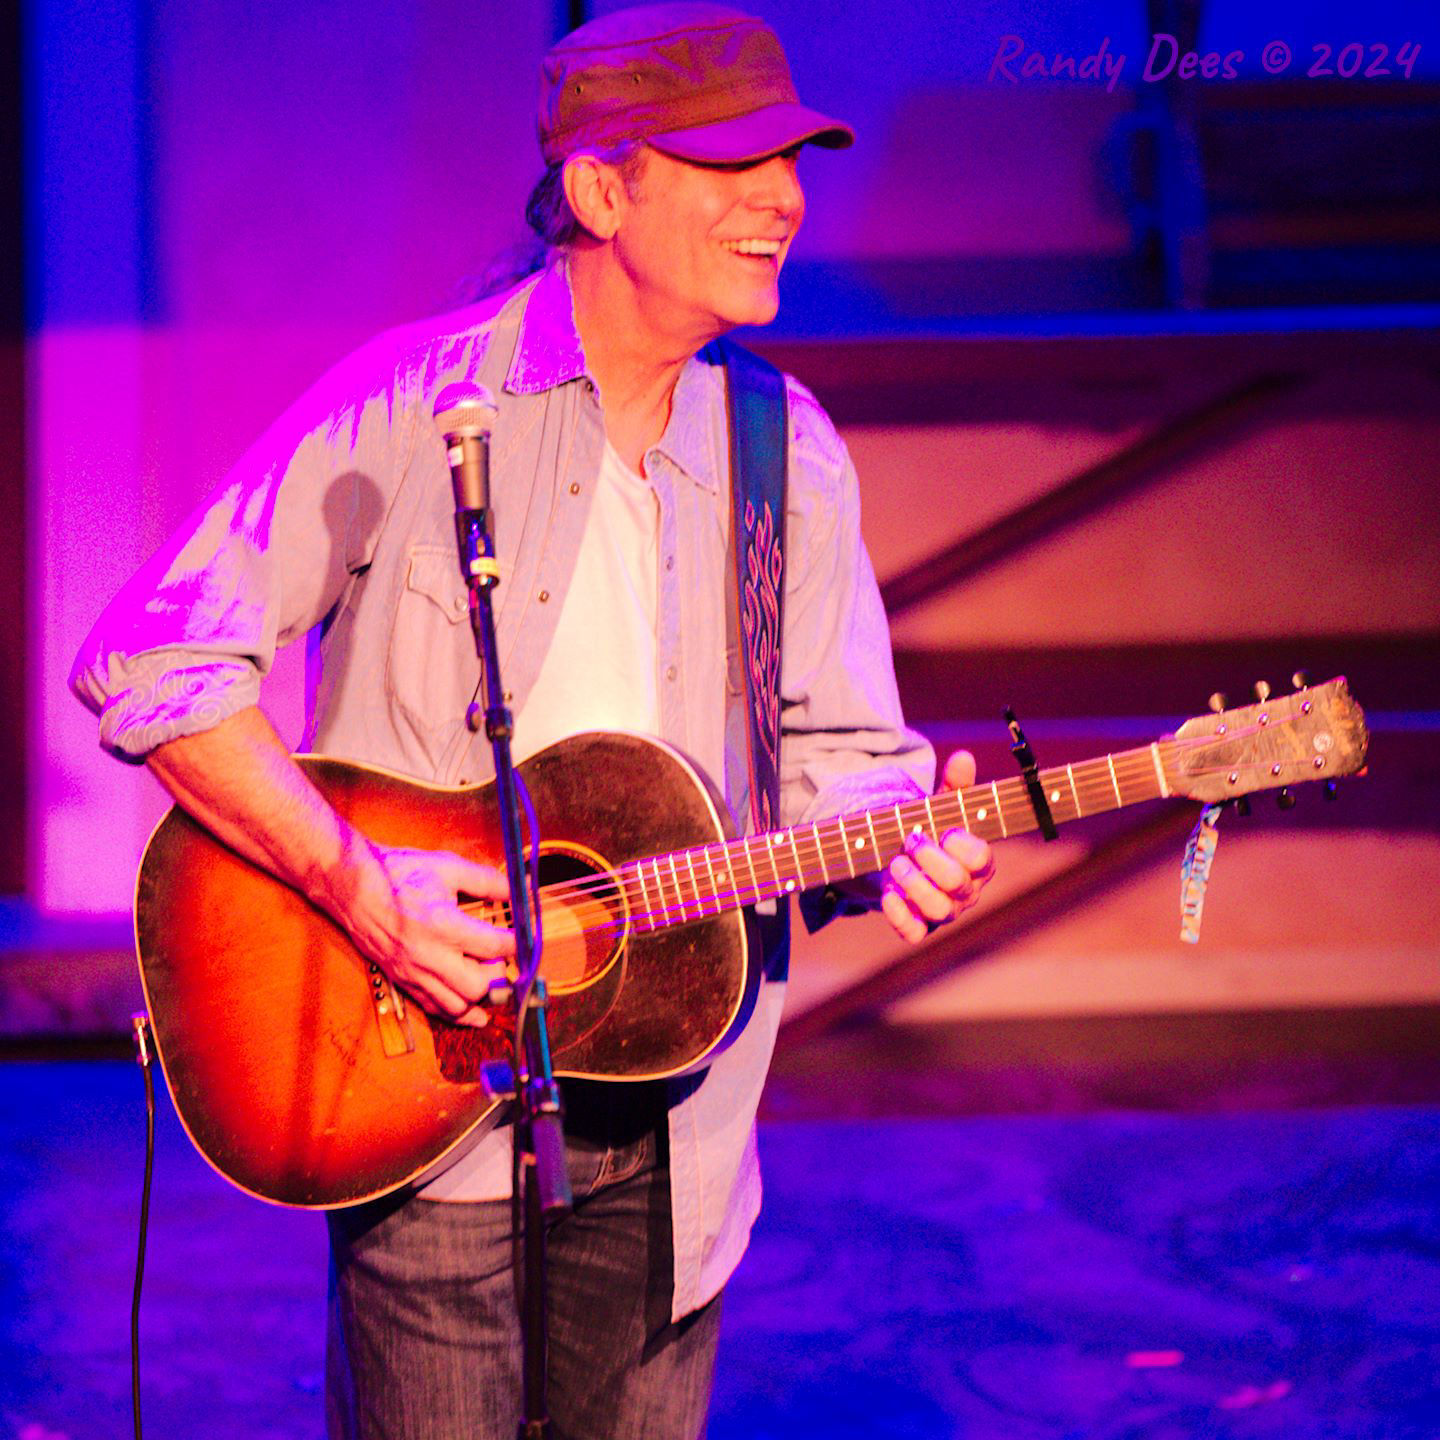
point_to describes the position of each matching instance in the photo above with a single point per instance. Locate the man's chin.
(758, 310)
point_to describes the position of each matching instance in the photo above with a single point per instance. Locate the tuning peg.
(1242, 806)
(1218, 701)
(1285, 800)
(1330, 789)
(1262, 690)
(1300, 680)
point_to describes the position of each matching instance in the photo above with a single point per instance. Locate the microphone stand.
(532, 1081)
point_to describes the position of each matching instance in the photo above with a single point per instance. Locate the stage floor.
(1101, 1275)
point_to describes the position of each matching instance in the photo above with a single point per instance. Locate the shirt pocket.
(431, 670)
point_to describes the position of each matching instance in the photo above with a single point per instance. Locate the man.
(671, 133)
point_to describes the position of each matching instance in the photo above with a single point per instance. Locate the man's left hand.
(929, 884)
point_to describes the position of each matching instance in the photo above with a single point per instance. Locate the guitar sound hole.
(583, 919)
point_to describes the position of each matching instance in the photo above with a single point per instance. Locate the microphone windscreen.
(465, 408)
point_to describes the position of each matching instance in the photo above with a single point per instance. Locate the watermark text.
(1016, 62)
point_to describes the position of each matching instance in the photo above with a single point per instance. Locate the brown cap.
(698, 81)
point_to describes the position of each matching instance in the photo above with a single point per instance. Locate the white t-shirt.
(599, 673)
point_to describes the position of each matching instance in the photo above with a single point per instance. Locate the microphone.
(465, 415)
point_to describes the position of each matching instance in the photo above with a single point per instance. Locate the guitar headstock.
(1317, 733)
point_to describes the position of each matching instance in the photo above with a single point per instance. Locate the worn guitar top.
(339, 523)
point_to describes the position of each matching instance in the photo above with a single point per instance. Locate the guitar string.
(627, 881)
(1092, 779)
(835, 848)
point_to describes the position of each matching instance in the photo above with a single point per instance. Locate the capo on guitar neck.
(1025, 758)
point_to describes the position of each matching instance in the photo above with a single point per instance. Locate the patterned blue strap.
(758, 434)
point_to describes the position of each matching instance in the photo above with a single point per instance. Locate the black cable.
(141, 1024)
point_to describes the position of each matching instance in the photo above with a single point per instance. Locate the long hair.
(552, 223)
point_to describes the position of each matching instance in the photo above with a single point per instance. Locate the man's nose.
(779, 187)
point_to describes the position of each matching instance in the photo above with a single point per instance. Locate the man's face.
(703, 244)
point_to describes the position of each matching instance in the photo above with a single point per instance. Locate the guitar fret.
(729, 876)
(1110, 761)
(930, 814)
(964, 818)
(999, 814)
(1048, 779)
(648, 910)
(679, 894)
(769, 843)
(714, 888)
(1075, 794)
(799, 868)
(694, 881)
(820, 852)
(1159, 769)
(845, 843)
(874, 843)
(750, 864)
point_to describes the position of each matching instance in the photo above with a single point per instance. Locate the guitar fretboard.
(685, 885)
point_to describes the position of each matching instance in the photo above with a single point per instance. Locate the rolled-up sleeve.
(188, 640)
(844, 743)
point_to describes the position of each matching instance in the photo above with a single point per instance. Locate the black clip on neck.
(1025, 758)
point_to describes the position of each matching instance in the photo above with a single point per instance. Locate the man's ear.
(596, 193)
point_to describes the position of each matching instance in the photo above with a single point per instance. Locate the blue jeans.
(423, 1340)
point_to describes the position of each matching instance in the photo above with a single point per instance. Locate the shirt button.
(670, 672)
(544, 596)
(669, 562)
(459, 602)
(575, 488)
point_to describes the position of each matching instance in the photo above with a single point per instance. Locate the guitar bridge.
(390, 1014)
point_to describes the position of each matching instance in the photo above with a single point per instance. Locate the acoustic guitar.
(305, 1078)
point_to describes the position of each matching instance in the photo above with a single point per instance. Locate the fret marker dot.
(789, 884)
(918, 830)
(1054, 797)
(860, 844)
(981, 813)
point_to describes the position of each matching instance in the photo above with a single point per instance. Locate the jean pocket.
(623, 1162)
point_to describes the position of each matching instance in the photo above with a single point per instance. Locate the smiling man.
(670, 199)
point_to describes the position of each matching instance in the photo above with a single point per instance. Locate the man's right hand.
(401, 908)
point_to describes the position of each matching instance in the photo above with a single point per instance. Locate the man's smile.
(767, 248)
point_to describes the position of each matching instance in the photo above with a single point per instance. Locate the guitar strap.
(759, 426)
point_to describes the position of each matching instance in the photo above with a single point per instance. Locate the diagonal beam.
(1099, 485)
(1111, 861)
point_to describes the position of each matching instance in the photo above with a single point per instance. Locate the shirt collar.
(690, 437)
(548, 353)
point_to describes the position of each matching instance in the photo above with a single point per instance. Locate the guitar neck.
(685, 885)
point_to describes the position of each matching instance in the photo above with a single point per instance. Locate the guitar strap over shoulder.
(759, 426)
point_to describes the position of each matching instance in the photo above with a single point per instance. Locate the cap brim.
(755, 136)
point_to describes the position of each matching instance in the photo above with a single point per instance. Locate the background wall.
(1001, 286)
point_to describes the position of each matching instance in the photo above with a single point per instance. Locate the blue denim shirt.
(338, 525)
